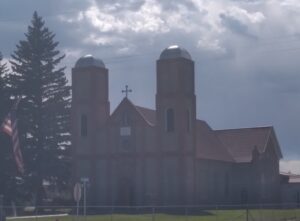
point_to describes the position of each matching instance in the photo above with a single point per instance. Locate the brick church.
(166, 156)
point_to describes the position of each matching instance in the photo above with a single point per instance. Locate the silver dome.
(174, 51)
(89, 61)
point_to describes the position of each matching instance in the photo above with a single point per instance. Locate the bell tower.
(176, 123)
(90, 110)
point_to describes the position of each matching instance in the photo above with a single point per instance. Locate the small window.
(170, 120)
(83, 125)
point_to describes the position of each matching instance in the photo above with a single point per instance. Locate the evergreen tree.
(44, 110)
(4, 98)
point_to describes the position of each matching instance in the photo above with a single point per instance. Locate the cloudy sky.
(246, 52)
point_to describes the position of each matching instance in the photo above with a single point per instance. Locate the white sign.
(77, 192)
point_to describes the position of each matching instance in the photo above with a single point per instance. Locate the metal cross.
(126, 91)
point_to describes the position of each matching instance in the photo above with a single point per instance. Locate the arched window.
(188, 120)
(83, 125)
(170, 125)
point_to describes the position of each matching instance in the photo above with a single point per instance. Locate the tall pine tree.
(44, 111)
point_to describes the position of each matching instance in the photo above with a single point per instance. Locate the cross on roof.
(126, 91)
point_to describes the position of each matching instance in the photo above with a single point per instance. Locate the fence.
(157, 213)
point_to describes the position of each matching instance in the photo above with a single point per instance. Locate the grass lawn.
(209, 215)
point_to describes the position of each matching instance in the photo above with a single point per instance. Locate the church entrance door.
(126, 192)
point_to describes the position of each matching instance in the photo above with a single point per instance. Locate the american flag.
(10, 127)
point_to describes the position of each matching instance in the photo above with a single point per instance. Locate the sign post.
(77, 195)
(85, 181)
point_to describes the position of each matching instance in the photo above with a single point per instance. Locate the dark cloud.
(241, 80)
(236, 26)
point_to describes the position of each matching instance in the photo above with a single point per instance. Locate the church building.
(138, 156)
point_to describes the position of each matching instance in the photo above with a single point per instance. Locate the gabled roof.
(241, 142)
(208, 144)
(146, 114)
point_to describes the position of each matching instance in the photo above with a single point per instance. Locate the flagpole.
(10, 127)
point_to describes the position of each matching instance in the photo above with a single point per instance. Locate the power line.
(122, 59)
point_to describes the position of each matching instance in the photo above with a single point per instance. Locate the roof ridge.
(144, 107)
(245, 128)
(142, 114)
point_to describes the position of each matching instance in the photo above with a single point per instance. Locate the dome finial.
(174, 51)
(89, 61)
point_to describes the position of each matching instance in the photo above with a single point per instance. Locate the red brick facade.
(138, 156)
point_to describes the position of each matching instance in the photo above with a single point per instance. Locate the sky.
(246, 53)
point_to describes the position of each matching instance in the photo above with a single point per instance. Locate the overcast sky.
(246, 53)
